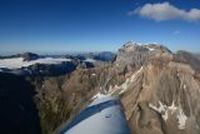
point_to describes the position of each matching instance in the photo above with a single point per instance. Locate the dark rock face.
(26, 56)
(188, 58)
(100, 56)
(88, 65)
(29, 56)
(105, 56)
(50, 70)
(18, 112)
(44, 69)
(197, 55)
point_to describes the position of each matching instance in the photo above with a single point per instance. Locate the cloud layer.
(165, 11)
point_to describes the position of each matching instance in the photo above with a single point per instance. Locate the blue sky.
(50, 26)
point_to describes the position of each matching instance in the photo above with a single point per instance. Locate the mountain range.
(51, 65)
(159, 89)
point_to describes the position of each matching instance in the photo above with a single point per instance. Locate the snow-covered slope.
(16, 63)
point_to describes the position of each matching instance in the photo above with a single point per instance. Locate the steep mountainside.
(158, 89)
(162, 95)
(18, 112)
(163, 99)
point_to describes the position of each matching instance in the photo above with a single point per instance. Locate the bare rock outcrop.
(159, 91)
(163, 99)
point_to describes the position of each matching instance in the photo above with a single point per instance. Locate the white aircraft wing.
(104, 116)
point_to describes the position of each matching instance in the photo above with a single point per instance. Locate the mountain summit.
(159, 90)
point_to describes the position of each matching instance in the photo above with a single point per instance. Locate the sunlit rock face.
(163, 99)
(161, 95)
(134, 55)
(159, 90)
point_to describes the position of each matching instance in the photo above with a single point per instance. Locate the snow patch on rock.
(184, 86)
(98, 95)
(182, 118)
(150, 49)
(112, 90)
(164, 109)
(125, 85)
(99, 98)
(173, 108)
(93, 74)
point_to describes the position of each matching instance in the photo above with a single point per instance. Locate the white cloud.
(165, 11)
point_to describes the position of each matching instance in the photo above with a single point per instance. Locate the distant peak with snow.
(132, 46)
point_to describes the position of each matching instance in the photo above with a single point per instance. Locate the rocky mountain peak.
(139, 47)
(158, 48)
(134, 55)
(27, 56)
(159, 90)
(131, 47)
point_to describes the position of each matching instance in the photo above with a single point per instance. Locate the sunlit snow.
(164, 111)
(124, 86)
(182, 118)
(90, 60)
(15, 63)
(150, 49)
